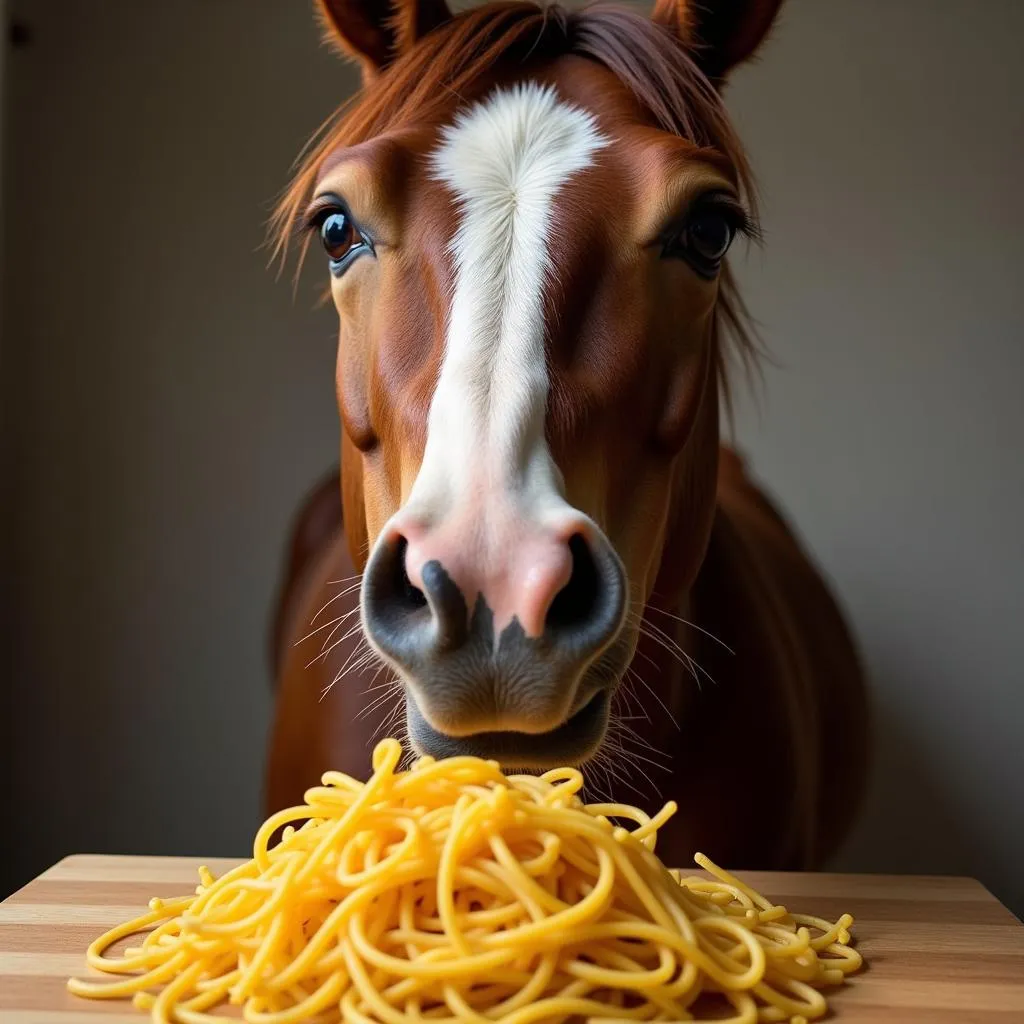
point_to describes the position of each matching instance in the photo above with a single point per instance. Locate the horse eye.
(703, 239)
(338, 235)
(710, 234)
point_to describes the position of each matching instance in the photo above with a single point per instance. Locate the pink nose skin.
(519, 572)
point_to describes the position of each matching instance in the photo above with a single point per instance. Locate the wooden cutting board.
(938, 950)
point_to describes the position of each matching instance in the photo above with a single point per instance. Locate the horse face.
(526, 284)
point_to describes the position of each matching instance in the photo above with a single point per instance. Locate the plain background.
(166, 403)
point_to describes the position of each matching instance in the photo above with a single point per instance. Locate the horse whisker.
(339, 622)
(371, 707)
(322, 656)
(676, 646)
(664, 707)
(323, 625)
(361, 648)
(692, 625)
(330, 601)
(347, 579)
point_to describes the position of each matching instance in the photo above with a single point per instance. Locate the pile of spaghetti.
(451, 892)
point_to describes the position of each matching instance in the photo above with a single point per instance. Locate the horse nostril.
(397, 615)
(411, 595)
(575, 603)
(410, 622)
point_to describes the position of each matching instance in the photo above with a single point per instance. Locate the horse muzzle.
(531, 697)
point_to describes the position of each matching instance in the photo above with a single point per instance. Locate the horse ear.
(375, 32)
(719, 33)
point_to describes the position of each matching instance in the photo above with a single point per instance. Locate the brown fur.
(637, 354)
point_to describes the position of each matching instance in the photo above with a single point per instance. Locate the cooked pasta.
(451, 892)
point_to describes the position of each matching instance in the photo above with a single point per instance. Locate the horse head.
(525, 215)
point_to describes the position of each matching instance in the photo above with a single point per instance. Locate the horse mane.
(449, 61)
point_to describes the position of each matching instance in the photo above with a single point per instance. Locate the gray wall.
(171, 402)
(889, 141)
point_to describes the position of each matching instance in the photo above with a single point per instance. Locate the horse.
(536, 547)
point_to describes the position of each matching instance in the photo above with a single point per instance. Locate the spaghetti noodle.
(452, 893)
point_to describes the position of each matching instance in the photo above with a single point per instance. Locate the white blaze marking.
(505, 159)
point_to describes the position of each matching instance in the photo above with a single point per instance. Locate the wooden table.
(939, 950)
